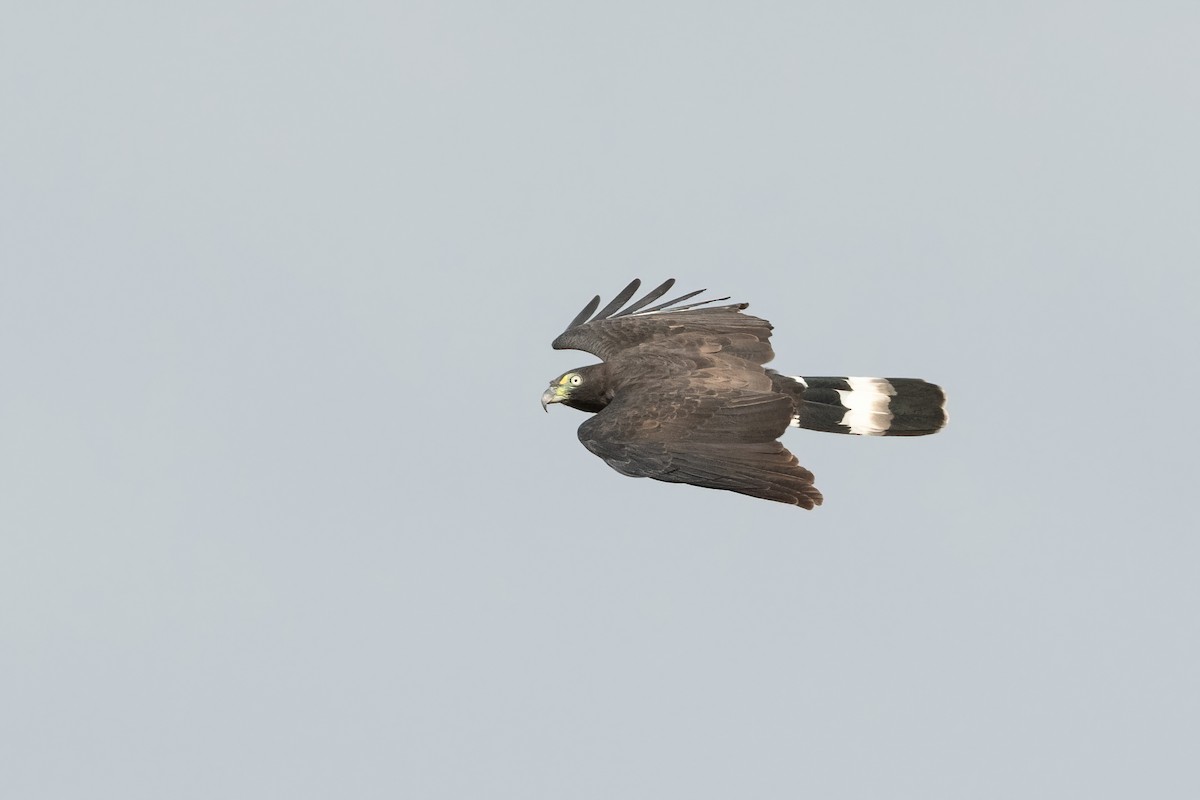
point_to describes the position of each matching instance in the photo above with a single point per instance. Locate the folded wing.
(682, 433)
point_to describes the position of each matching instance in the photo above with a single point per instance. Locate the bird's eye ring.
(576, 380)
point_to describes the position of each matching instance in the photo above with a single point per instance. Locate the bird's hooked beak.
(552, 395)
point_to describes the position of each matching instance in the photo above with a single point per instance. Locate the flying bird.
(682, 396)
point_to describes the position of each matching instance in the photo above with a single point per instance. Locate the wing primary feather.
(582, 316)
(701, 303)
(653, 295)
(670, 303)
(619, 300)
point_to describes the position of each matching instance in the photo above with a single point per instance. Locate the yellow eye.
(576, 380)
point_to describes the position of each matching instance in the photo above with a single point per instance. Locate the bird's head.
(585, 388)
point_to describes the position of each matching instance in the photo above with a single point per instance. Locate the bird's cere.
(866, 403)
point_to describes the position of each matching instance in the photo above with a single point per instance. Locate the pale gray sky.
(280, 513)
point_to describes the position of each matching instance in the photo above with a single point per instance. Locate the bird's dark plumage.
(682, 396)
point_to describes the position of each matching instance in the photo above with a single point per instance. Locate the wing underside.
(614, 329)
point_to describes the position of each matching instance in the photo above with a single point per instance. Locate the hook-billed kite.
(682, 396)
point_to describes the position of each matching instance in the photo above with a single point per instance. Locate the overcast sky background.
(281, 516)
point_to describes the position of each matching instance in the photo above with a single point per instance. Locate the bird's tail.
(866, 406)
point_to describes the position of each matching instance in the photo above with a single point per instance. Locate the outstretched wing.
(715, 329)
(685, 431)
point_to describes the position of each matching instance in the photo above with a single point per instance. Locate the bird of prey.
(682, 396)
